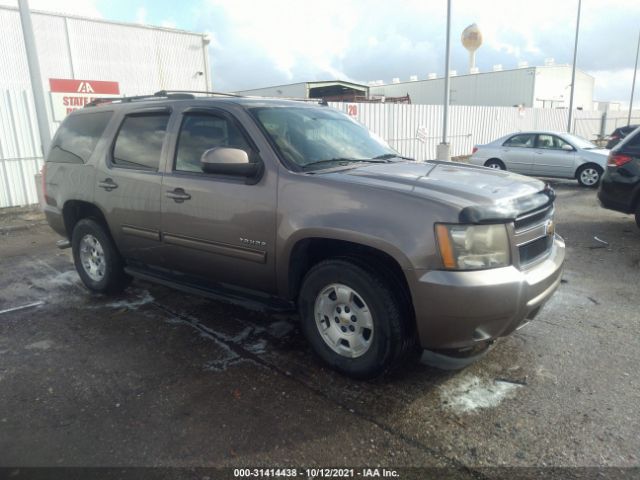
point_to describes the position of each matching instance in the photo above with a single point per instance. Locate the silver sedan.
(545, 154)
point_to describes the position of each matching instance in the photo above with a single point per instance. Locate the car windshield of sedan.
(317, 138)
(580, 142)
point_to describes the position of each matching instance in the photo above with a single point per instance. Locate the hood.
(482, 193)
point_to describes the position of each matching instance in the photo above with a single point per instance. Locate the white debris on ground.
(144, 298)
(469, 393)
(41, 345)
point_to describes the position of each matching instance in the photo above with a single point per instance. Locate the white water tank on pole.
(471, 40)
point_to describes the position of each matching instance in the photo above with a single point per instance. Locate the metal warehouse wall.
(505, 88)
(142, 59)
(523, 86)
(293, 90)
(552, 83)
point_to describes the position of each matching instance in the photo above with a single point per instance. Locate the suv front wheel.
(96, 258)
(353, 319)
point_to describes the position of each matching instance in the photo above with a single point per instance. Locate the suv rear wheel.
(96, 258)
(353, 319)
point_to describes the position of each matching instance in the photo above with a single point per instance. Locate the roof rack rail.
(157, 95)
(320, 101)
(163, 93)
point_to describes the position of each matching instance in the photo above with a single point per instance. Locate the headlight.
(473, 247)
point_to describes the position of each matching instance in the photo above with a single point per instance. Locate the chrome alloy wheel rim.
(495, 166)
(344, 320)
(92, 257)
(589, 176)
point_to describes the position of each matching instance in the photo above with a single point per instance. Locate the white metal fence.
(20, 152)
(416, 130)
(413, 130)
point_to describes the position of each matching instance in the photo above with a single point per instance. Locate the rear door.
(217, 227)
(516, 153)
(129, 181)
(549, 158)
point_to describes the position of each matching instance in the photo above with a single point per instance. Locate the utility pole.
(633, 84)
(444, 149)
(573, 70)
(34, 74)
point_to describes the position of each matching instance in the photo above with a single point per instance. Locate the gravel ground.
(155, 377)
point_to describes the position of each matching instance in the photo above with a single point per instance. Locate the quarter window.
(200, 133)
(523, 140)
(139, 141)
(77, 137)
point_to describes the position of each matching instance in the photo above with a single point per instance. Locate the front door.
(516, 153)
(128, 184)
(217, 227)
(550, 159)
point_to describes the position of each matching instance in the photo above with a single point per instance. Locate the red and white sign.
(68, 95)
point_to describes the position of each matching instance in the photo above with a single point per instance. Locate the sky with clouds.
(259, 43)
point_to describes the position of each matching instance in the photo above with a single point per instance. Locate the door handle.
(108, 184)
(538, 153)
(178, 195)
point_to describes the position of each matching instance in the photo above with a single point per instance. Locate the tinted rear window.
(77, 137)
(631, 142)
(139, 142)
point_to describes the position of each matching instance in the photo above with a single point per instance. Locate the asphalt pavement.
(155, 377)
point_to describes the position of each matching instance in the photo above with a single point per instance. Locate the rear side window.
(77, 137)
(200, 133)
(524, 140)
(139, 141)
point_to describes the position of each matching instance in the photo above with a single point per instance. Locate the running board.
(224, 293)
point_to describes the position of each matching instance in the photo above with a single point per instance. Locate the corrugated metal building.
(330, 89)
(142, 59)
(537, 87)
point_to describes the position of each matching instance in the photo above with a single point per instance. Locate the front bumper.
(459, 309)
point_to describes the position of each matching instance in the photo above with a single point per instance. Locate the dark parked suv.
(295, 205)
(619, 134)
(620, 187)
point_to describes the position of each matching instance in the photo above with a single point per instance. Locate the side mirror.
(567, 148)
(228, 161)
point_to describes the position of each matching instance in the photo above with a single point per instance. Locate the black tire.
(114, 278)
(393, 338)
(585, 175)
(495, 163)
(638, 215)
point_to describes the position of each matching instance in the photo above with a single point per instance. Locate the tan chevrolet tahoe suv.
(296, 205)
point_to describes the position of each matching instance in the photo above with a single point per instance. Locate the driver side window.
(199, 133)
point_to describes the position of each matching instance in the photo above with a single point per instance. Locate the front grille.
(534, 250)
(533, 218)
(532, 235)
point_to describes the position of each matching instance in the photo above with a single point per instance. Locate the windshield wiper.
(389, 156)
(342, 161)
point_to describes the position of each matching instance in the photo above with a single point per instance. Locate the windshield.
(320, 136)
(579, 142)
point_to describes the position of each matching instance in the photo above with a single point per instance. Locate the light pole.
(573, 70)
(443, 150)
(34, 74)
(633, 84)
